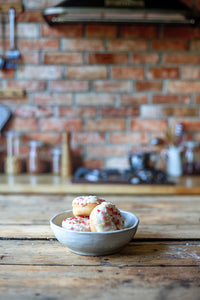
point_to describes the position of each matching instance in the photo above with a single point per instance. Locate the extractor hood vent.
(121, 11)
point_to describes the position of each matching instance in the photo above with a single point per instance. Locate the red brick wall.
(113, 87)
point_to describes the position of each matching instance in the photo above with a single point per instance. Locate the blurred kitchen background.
(114, 87)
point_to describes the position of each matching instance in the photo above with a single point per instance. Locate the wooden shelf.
(12, 93)
(49, 184)
(4, 7)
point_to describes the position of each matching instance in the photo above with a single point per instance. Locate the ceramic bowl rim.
(136, 223)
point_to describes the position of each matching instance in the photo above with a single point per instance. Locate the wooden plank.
(40, 252)
(4, 7)
(102, 282)
(12, 93)
(144, 232)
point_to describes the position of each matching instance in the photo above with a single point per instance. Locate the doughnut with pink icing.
(106, 217)
(77, 223)
(83, 205)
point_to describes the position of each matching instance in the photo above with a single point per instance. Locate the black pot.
(142, 160)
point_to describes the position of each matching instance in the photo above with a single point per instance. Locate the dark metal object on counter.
(142, 160)
(143, 176)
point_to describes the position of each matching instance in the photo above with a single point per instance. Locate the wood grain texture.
(162, 261)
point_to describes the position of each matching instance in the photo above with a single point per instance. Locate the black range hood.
(122, 11)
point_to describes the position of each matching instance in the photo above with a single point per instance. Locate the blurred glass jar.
(13, 163)
(191, 158)
(35, 163)
(56, 161)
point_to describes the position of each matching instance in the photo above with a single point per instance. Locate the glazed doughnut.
(77, 223)
(83, 205)
(106, 217)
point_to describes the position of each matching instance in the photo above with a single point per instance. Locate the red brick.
(33, 111)
(183, 87)
(56, 124)
(95, 99)
(38, 44)
(148, 125)
(145, 58)
(140, 31)
(82, 44)
(75, 112)
(7, 74)
(63, 58)
(190, 73)
(133, 99)
(46, 137)
(150, 111)
(23, 125)
(171, 99)
(87, 72)
(182, 32)
(105, 125)
(110, 86)
(148, 86)
(197, 99)
(127, 72)
(69, 86)
(119, 111)
(39, 72)
(195, 45)
(106, 151)
(29, 85)
(88, 138)
(69, 30)
(180, 111)
(127, 138)
(191, 125)
(30, 16)
(169, 45)
(53, 99)
(37, 4)
(27, 30)
(107, 58)
(126, 45)
(162, 72)
(19, 100)
(93, 163)
(30, 58)
(101, 30)
(181, 58)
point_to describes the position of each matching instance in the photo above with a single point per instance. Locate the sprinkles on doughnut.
(106, 217)
(77, 223)
(83, 205)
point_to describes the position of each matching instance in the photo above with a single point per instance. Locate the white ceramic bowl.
(94, 243)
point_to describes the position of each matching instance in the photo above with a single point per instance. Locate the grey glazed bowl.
(94, 243)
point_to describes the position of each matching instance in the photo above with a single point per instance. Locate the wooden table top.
(161, 262)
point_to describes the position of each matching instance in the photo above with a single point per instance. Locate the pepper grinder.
(66, 168)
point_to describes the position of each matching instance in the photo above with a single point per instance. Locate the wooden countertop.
(49, 184)
(161, 262)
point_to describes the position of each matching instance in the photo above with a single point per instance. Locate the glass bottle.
(190, 158)
(13, 163)
(56, 161)
(35, 163)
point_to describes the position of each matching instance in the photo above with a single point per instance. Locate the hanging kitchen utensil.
(5, 115)
(13, 55)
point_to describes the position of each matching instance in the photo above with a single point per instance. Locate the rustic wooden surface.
(162, 261)
(49, 184)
